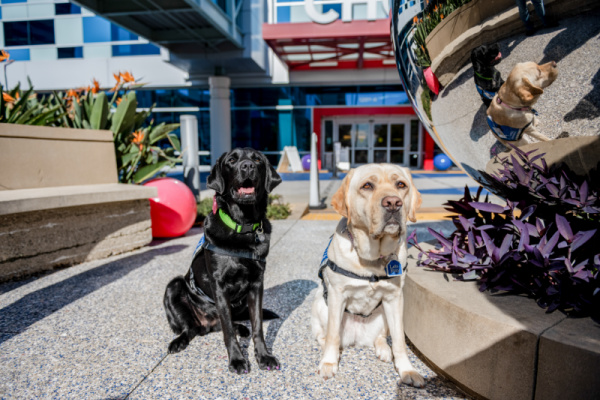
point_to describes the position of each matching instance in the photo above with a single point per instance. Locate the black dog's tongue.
(246, 190)
(498, 57)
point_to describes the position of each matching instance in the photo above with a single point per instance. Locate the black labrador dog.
(225, 281)
(487, 78)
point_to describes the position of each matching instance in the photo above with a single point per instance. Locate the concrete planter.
(60, 200)
(461, 20)
(499, 346)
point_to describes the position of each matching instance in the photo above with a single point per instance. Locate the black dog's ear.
(215, 180)
(273, 179)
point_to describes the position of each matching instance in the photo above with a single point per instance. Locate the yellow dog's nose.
(391, 203)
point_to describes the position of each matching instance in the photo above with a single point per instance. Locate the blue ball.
(442, 162)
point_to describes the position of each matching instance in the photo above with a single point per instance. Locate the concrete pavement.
(98, 330)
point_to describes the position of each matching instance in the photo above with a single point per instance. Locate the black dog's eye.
(400, 185)
(367, 186)
(231, 160)
(256, 159)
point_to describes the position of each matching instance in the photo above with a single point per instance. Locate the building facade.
(290, 68)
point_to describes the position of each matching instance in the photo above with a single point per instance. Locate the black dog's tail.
(244, 315)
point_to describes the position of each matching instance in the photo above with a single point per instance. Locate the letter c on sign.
(314, 15)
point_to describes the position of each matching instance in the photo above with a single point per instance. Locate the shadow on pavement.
(284, 299)
(34, 307)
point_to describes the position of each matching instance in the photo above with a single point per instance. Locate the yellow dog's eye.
(400, 185)
(367, 186)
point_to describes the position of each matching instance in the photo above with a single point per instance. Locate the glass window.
(414, 135)
(41, 32)
(119, 50)
(16, 33)
(23, 33)
(328, 135)
(118, 34)
(283, 14)
(397, 156)
(20, 54)
(380, 156)
(397, 139)
(70, 52)
(345, 135)
(96, 29)
(66, 8)
(381, 135)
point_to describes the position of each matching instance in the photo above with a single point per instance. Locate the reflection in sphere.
(477, 48)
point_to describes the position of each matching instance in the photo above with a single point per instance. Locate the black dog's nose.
(247, 166)
(391, 203)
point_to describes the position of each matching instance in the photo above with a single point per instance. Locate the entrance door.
(381, 140)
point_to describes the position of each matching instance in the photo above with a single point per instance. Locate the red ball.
(173, 212)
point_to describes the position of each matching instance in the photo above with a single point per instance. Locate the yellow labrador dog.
(360, 301)
(510, 115)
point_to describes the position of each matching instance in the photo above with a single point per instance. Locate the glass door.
(376, 140)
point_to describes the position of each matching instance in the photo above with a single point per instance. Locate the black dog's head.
(486, 55)
(244, 175)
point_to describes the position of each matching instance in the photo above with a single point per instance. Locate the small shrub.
(204, 207)
(543, 243)
(275, 209)
(426, 101)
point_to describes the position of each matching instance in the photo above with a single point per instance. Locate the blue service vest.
(485, 93)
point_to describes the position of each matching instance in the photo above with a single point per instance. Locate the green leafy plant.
(426, 101)
(28, 108)
(276, 209)
(431, 17)
(142, 149)
(138, 148)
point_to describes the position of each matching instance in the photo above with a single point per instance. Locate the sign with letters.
(347, 6)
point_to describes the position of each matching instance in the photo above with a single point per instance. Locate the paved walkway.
(98, 330)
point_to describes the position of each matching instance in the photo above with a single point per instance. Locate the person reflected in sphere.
(526, 16)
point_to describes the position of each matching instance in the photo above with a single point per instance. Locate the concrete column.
(220, 117)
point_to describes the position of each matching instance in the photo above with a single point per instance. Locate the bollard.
(315, 195)
(189, 146)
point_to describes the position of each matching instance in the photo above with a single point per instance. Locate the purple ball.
(306, 162)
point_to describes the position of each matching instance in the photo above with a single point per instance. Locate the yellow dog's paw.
(412, 378)
(327, 370)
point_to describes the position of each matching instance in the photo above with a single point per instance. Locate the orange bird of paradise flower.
(4, 55)
(8, 98)
(138, 137)
(127, 77)
(96, 86)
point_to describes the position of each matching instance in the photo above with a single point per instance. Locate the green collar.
(482, 77)
(244, 228)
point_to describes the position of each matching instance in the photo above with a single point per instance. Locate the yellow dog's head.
(378, 198)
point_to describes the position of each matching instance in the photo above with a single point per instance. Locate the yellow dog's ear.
(415, 201)
(339, 200)
(528, 91)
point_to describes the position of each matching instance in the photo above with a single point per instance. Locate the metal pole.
(189, 146)
(315, 195)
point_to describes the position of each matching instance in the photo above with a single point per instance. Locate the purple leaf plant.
(544, 243)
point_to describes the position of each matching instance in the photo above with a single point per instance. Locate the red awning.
(349, 45)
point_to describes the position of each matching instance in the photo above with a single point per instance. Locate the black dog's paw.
(268, 362)
(239, 366)
(179, 343)
(242, 330)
